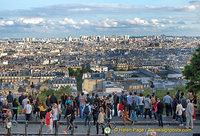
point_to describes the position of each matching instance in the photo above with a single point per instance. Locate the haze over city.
(52, 18)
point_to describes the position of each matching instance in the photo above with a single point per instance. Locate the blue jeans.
(81, 108)
(87, 118)
(142, 110)
(181, 120)
(133, 114)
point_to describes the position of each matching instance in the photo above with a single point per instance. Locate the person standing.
(69, 116)
(95, 113)
(21, 98)
(133, 109)
(77, 104)
(174, 105)
(87, 112)
(147, 106)
(179, 109)
(129, 100)
(25, 101)
(43, 110)
(115, 103)
(160, 107)
(14, 108)
(141, 105)
(92, 99)
(10, 98)
(55, 113)
(100, 120)
(137, 100)
(193, 100)
(28, 109)
(53, 99)
(125, 114)
(49, 121)
(37, 107)
(48, 101)
(168, 102)
(82, 103)
(189, 114)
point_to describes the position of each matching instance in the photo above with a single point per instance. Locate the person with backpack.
(133, 109)
(82, 103)
(87, 112)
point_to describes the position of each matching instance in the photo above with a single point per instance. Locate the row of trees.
(78, 75)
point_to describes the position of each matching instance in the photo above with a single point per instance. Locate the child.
(49, 121)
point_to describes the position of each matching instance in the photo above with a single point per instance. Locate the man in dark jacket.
(63, 99)
(48, 102)
(10, 98)
(21, 98)
(53, 99)
(133, 109)
(115, 103)
(160, 106)
(69, 114)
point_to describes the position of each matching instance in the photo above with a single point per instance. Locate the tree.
(192, 72)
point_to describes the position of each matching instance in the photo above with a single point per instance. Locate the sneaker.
(181, 125)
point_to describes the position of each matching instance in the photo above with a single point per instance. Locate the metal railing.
(41, 133)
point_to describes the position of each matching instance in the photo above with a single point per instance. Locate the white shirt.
(179, 109)
(55, 114)
(24, 102)
(28, 109)
(141, 100)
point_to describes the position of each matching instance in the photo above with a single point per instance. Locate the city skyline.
(42, 19)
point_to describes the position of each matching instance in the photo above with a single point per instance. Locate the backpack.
(86, 110)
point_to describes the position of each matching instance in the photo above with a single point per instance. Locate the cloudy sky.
(61, 18)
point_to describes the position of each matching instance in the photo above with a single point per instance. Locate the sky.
(62, 18)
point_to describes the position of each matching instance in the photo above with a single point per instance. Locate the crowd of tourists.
(100, 110)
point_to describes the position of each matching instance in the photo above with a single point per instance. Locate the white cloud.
(68, 21)
(76, 27)
(155, 21)
(80, 9)
(33, 21)
(4, 23)
(137, 21)
(109, 23)
(85, 22)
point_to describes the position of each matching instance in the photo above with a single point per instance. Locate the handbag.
(25, 110)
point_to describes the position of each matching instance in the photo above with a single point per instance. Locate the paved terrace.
(139, 128)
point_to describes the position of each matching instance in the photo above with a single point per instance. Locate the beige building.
(90, 85)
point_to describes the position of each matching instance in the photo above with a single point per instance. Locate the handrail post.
(41, 126)
(26, 125)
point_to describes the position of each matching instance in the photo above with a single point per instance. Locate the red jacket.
(48, 118)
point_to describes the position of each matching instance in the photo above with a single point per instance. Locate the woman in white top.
(28, 108)
(179, 111)
(100, 120)
(141, 104)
